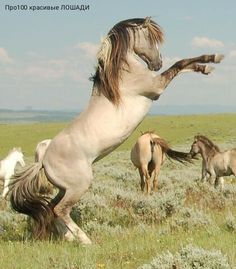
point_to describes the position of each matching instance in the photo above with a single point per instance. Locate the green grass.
(175, 129)
(129, 250)
(127, 228)
(182, 129)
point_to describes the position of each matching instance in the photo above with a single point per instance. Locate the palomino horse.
(7, 167)
(148, 154)
(214, 162)
(123, 92)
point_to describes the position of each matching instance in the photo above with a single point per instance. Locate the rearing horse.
(123, 92)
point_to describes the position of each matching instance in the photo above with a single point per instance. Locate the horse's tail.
(26, 199)
(173, 154)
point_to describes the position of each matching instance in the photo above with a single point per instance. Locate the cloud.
(205, 42)
(4, 57)
(90, 49)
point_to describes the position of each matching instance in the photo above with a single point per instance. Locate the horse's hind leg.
(74, 187)
(144, 170)
(155, 179)
(142, 180)
(63, 209)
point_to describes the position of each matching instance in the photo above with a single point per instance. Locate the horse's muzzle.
(155, 67)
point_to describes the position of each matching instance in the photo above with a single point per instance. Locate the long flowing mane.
(113, 51)
(206, 141)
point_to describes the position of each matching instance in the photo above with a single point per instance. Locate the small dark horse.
(214, 162)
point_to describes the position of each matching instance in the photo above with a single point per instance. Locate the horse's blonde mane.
(113, 51)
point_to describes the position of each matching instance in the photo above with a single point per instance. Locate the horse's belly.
(223, 172)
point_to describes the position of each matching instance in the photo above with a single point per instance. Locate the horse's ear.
(147, 22)
(18, 149)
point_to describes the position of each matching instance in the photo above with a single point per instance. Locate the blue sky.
(46, 57)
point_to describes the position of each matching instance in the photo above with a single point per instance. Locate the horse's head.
(19, 156)
(203, 145)
(147, 38)
(138, 36)
(195, 148)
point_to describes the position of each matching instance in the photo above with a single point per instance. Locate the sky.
(47, 57)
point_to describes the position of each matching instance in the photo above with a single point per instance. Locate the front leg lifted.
(186, 65)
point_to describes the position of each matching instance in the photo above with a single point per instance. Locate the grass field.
(186, 223)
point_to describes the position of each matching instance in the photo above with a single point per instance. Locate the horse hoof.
(208, 69)
(218, 58)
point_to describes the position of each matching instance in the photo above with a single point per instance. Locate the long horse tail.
(26, 199)
(173, 154)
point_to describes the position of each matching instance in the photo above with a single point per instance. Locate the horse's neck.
(135, 64)
(11, 160)
(207, 152)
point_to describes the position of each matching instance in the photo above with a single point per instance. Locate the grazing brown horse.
(124, 89)
(148, 155)
(215, 163)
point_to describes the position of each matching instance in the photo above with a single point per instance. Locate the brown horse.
(214, 162)
(148, 154)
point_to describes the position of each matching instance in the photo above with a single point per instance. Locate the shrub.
(189, 257)
(231, 223)
(190, 218)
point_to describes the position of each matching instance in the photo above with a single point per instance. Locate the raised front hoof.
(218, 58)
(208, 69)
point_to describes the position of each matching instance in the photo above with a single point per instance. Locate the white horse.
(123, 92)
(7, 167)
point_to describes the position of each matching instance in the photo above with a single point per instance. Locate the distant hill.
(191, 109)
(30, 116)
